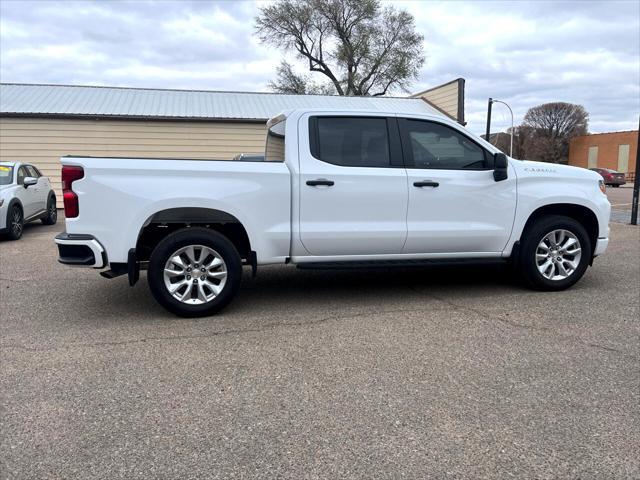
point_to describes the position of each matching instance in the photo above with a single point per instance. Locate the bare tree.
(360, 47)
(289, 81)
(551, 127)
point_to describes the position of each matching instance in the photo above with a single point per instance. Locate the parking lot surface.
(425, 373)
(620, 199)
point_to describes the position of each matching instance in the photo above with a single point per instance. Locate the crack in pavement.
(271, 326)
(456, 306)
(511, 323)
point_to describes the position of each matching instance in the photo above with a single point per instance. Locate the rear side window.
(351, 141)
(274, 150)
(437, 146)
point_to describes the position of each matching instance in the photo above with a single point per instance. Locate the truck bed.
(118, 196)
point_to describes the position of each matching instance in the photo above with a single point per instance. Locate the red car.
(611, 177)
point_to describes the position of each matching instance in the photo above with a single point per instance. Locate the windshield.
(274, 151)
(6, 175)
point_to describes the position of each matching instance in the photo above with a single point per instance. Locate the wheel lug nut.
(202, 269)
(188, 277)
(196, 265)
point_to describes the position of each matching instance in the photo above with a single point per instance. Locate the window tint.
(352, 141)
(440, 147)
(22, 172)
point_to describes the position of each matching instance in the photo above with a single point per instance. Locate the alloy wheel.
(558, 254)
(195, 274)
(16, 222)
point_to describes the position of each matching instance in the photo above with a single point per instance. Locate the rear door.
(455, 205)
(353, 187)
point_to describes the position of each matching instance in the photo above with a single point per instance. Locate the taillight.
(69, 175)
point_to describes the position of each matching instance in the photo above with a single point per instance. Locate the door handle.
(320, 181)
(426, 183)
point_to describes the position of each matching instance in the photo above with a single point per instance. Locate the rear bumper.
(601, 246)
(80, 250)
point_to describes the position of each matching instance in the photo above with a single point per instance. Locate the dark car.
(611, 177)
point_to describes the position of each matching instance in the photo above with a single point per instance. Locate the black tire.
(52, 212)
(15, 223)
(184, 238)
(530, 240)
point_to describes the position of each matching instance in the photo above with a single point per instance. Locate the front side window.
(352, 141)
(6, 175)
(32, 172)
(438, 146)
(22, 173)
(274, 151)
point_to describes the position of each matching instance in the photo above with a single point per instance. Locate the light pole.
(510, 111)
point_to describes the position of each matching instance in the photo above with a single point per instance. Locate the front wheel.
(15, 221)
(555, 253)
(194, 272)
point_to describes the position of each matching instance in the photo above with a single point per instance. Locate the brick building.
(615, 150)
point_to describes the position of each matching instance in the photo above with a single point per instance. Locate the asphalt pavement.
(412, 373)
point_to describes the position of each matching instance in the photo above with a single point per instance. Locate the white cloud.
(525, 53)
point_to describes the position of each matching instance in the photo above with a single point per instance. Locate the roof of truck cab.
(123, 102)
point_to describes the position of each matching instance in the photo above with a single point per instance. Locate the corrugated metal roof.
(24, 99)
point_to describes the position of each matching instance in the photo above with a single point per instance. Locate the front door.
(455, 205)
(353, 187)
(28, 196)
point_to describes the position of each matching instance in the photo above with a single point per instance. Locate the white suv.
(25, 195)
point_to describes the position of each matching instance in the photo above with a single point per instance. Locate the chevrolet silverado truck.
(335, 189)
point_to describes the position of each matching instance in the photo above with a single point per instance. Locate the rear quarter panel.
(118, 196)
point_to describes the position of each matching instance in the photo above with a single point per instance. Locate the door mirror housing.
(28, 181)
(500, 165)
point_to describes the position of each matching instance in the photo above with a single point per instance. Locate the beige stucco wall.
(42, 141)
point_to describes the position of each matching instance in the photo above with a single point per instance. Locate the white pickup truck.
(335, 189)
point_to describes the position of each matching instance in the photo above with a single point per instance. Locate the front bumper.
(601, 246)
(80, 250)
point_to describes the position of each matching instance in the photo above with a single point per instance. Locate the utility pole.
(488, 134)
(636, 183)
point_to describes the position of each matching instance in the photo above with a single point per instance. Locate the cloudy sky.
(520, 52)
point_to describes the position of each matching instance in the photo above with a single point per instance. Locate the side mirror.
(500, 164)
(28, 181)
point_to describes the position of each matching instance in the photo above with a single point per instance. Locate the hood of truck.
(530, 169)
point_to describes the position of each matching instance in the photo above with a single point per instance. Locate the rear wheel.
(15, 222)
(52, 212)
(194, 272)
(555, 253)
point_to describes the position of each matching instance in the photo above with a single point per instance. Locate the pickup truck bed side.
(118, 197)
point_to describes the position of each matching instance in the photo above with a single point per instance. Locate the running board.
(361, 264)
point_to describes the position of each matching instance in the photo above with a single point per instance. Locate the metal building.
(41, 123)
